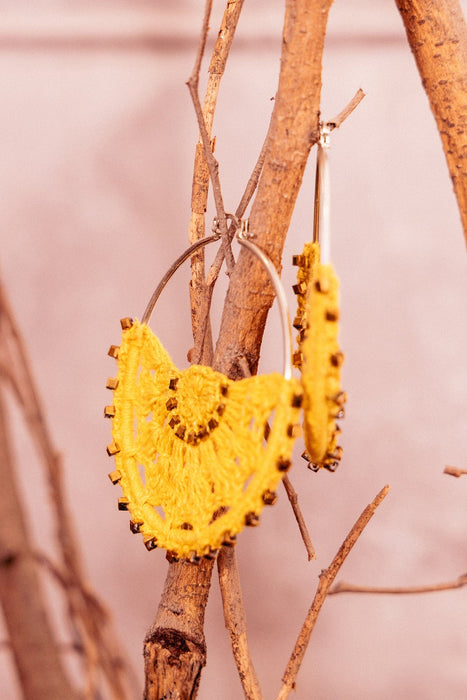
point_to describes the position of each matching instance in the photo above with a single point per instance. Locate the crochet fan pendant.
(197, 455)
(319, 356)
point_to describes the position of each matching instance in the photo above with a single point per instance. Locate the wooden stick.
(454, 471)
(175, 648)
(203, 350)
(200, 292)
(347, 111)
(437, 34)
(213, 165)
(240, 210)
(326, 579)
(235, 621)
(293, 499)
(291, 493)
(388, 590)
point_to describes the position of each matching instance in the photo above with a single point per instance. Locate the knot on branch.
(174, 642)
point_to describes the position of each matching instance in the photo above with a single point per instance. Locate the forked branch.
(326, 580)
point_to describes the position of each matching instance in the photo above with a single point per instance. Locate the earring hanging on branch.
(319, 356)
(198, 455)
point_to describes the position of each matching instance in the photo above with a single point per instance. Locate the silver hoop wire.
(242, 237)
(322, 198)
(179, 261)
(244, 240)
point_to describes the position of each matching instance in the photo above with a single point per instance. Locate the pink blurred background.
(98, 136)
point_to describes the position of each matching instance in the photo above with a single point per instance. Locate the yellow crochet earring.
(319, 356)
(197, 455)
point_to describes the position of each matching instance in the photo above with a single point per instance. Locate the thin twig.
(347, 111)
(293, 498)
(216, 266)
(199, 292)
(203, 348)
(291, 493)
(240, 210)
(454, 471)
(383, 590)
(202, 41)
(235, 621)
(326, 579)
(213, 165)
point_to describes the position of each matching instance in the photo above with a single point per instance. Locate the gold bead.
(269, 497)
(113, 351)
(109, 411)
(112, 449)
(251, 519)
(123, 503)
(115, 476)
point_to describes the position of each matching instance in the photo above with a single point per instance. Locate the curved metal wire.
(179, 261)
(244, 240)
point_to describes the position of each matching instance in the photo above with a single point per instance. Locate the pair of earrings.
(198, 455)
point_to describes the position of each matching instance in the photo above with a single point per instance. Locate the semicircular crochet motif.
(197, 455)
(320, 358)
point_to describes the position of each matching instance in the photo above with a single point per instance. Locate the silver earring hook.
(322, 200)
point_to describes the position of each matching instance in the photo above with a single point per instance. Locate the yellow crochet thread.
(197, 455)
(319, 357)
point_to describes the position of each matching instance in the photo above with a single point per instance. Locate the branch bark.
(175, 648)
(235, 622)
(437, 34)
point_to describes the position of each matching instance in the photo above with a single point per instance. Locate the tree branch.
(235, 621)
(385, 590)
(326, 579)
(200, 291)
(175, 648)
(437, 35)
(347, 111)
(454, 471)
(293, 499)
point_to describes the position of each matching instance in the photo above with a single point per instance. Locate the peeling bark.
(175, 648)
